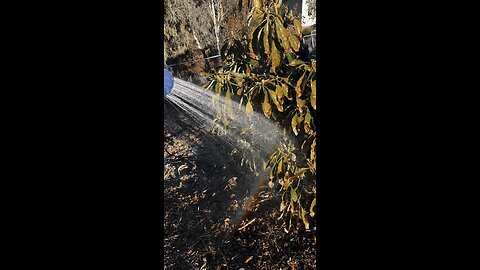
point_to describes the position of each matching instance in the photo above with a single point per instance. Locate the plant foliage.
(264, 70)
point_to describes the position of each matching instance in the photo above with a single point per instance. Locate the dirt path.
(205, 192)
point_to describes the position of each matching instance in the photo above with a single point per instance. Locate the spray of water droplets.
(255, 137)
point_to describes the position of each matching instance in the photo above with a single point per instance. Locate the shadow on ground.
(205, 193)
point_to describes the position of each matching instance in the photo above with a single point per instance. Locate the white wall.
(306, 20)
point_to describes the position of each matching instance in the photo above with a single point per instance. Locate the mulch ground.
(206, 192)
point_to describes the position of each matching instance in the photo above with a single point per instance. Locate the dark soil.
(206, 192)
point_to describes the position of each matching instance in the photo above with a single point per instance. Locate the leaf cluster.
(264, 71)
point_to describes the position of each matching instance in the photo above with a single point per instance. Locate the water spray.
(254, 137)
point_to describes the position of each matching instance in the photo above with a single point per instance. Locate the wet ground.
(206, 192)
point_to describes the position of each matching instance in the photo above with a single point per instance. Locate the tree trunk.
(215, 25)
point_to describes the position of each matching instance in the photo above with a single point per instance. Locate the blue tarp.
(167, 82)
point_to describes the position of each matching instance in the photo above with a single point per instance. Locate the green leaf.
(293, 193)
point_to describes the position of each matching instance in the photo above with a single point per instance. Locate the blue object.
(167, 82)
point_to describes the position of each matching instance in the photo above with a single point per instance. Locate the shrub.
(265, 70)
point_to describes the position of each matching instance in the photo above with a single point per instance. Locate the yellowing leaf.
(298, 87)
(285, 91)
(258, 4)
(312, 149)
(296, 62)
(298, 27)
(286, 184)
(267, 109)
(228, 104)
(294, 42)
(282, 35)
(294, 124)
(271, 184)
(280, 167)
(266, 44)
(312, 213)
(305, 221)
(239, 91)
(282, 206)
(313, 95)
(249, 109)
(301, 104)
(279, 107)
(276, 57)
